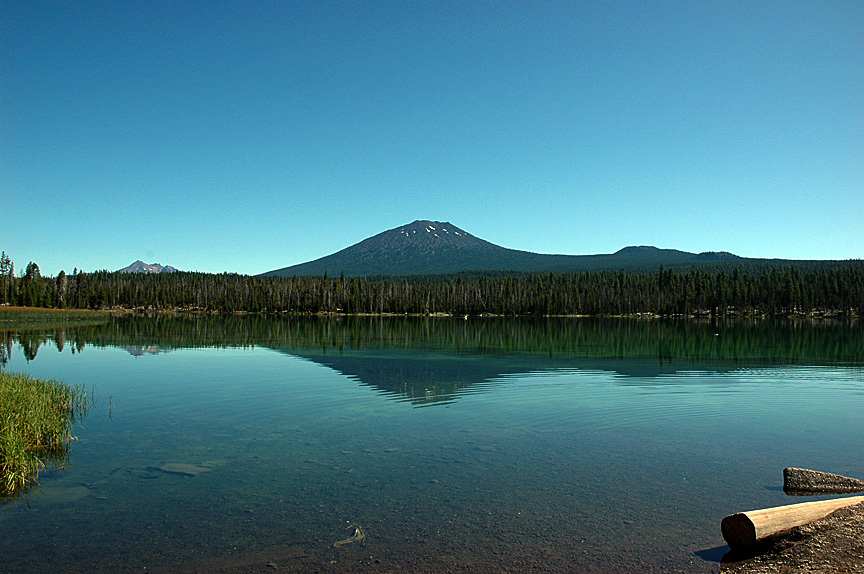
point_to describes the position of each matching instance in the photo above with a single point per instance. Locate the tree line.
(771, 290)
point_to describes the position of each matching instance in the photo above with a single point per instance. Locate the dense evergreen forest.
(772, 291)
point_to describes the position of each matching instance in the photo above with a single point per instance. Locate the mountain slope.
(141, 267)
(426, 247)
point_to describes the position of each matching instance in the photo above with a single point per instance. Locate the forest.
(772, 290)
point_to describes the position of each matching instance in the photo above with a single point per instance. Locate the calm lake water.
(487, 444)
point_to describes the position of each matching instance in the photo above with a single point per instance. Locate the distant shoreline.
(37, 313)
(82, 314)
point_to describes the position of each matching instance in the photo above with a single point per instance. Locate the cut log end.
(738, 530)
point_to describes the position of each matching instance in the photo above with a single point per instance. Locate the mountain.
(141, 267)
(426, 247)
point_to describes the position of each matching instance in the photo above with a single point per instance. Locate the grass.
(17, 318)
(36, 419)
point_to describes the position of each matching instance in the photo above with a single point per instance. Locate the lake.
(480, 445)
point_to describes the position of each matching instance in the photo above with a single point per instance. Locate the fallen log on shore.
(833, 544)
(806, 481)
(748, 528)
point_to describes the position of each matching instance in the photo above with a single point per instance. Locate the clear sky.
(247, 136)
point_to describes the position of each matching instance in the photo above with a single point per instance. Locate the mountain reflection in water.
(434, 361)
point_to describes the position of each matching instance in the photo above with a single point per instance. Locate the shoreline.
(77, 313)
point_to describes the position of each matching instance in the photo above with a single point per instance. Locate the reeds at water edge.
(36, 420)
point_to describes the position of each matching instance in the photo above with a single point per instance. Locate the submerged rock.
(182, 468)
(357, 537)
(805, 480)
(60, 494)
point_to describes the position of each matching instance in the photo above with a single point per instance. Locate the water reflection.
(141, 350)
(433, 361)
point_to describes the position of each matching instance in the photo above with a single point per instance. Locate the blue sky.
(250, 136)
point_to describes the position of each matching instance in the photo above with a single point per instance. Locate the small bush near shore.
(36, 420)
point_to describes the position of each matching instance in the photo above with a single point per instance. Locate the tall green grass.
(17, 318)
(36, 419)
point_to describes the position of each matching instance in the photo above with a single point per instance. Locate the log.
(805, 480)
(748, 528)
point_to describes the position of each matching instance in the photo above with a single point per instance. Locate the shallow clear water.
(483, 445)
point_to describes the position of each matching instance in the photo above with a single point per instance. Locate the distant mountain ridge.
(426, 247)
(141, 267)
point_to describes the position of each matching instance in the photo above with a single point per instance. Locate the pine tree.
(61, 286)
(7, 279)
